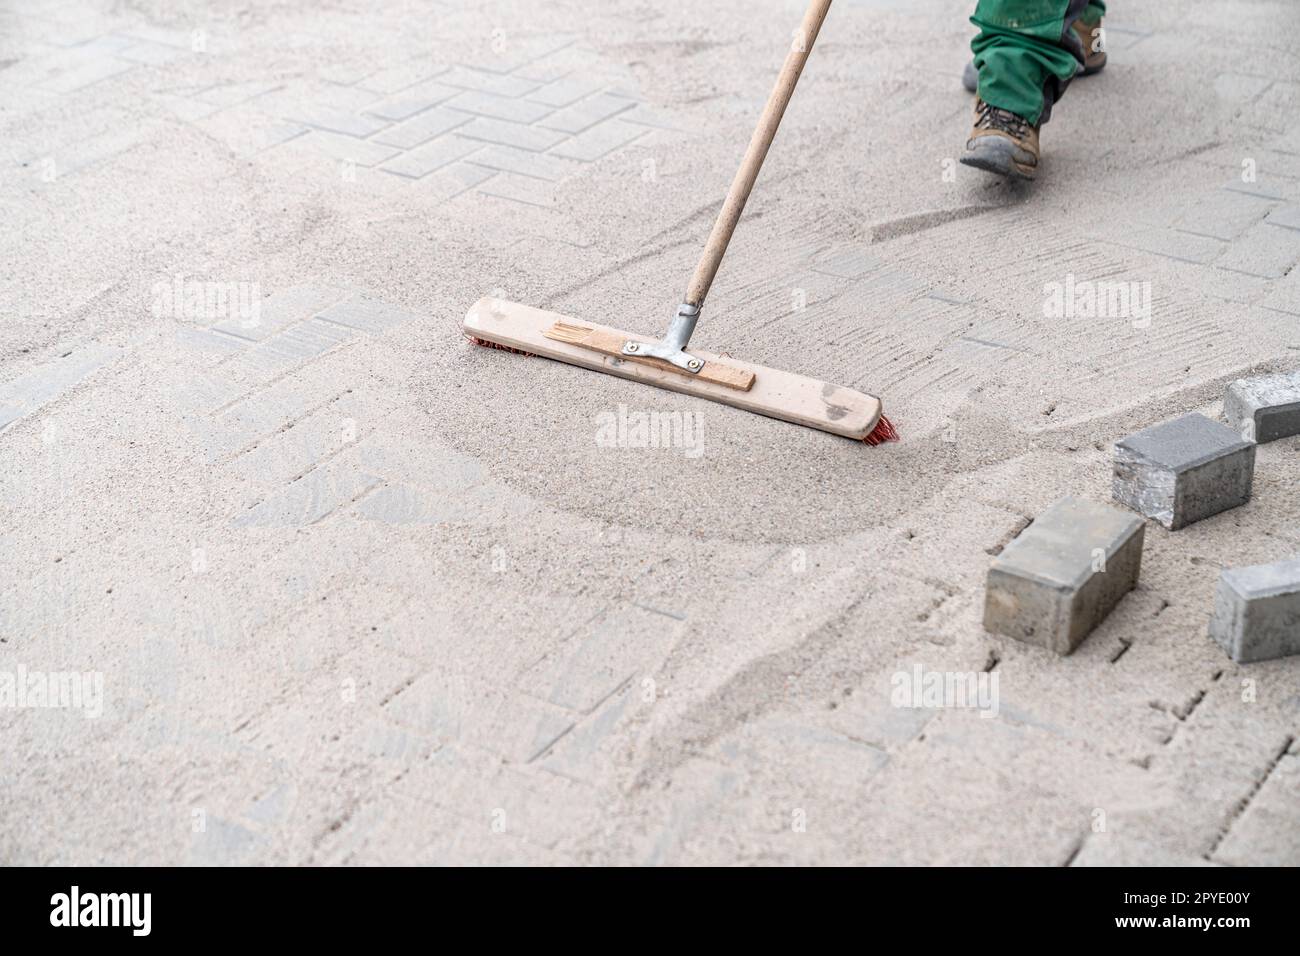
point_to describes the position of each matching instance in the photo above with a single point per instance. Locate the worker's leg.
(1088, 27)
(1027, 52)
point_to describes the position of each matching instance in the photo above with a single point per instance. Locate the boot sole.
(996, 158)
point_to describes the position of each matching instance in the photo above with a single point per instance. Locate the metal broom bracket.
(672, 347)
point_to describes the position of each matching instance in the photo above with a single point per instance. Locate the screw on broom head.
(883, 432)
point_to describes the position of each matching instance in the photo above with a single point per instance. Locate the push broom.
(666, 363)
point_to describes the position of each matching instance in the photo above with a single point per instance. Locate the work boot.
(1002, 143)
(1094, 51)
(1090, 35)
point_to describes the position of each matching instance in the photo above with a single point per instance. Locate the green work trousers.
(1026, 52)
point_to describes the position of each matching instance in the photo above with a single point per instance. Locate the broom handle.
(741, 186)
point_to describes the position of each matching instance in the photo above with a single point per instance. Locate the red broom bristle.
(497, 345)
(883, 432)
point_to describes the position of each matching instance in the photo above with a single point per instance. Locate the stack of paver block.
(1069, 569)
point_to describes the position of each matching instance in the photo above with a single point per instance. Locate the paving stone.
(599, 141)
(525, 163)
(47, 382)
(349, 149)
(293, 346)
(1268, 832)
(432, 156)
(422, 127)
(180, 38)
(874, 719)
(109, 43)
(339, 121)
(458, 708)
(282, 309)
(1257, 611)
(790, 753)
(186, 109)
(152, 54)
(498, 107)
(775, 759)
(1265, 186)
(442, 471)
(1181, 471)
(1264, 250)
(1285, 217)
(247, 132)
(1269, 403)
(601, 656)
(205, 340)
(511, 134)
(1113, 850)
(587, 113)
(250, 419)
(643, 115)
(565, 90)
(95, 149)
(524, 189)
(223, 843)
(849, 262)
(1272, 110)
(77, 72)
(408, 103)
(1172, 244)
(287, 453)
(1283, 295)
(517, 52)
(367, 315)
(574, 60)
(398, 504)
(204, 393)
(401, 77)
(452, 180)
(536, 805)
(405, 504)
(1239, 87)
(232, 94)
(469, 79)
(1064, 574)
(309, 499)
(344, 70)
(580, 753)
(1223, 215)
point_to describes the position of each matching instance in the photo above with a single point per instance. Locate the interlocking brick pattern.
(500, 126)
(361, 593)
